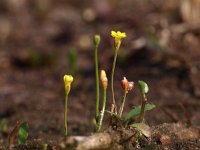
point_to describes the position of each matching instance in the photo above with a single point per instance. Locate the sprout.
(96, 41)
(68, 79)
(117, 42)
(144, 89)
(104, 82)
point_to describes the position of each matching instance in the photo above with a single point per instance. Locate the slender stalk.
(102, 111)
(65, 114)
(142, 112)
(97, 82)
(112, 80)
(122, 106)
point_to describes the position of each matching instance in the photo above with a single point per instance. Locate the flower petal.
(113, 34)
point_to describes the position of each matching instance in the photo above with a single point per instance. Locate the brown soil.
(160, 49)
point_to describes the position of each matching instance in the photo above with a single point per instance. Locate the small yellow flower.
(68, 79)
(118, 36)
(104, 79)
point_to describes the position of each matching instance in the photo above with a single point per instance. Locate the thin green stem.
(65, 114)
(142, 111)
(97, 83)
(112, 79)
(122, 106)
(102, 111)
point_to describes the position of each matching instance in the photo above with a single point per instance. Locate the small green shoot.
(23, 133)
(3, 126)
(117, 42)
(68, 79)
(96, 41)
(72, 60)
(44, 146)
(104, 82)
(144, 89)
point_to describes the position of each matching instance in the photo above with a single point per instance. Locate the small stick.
(13, 134)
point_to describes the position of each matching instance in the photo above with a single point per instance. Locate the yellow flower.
(68, 79)
(118, 36)
(104, 79)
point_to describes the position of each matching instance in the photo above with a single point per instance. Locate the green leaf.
(23, 133)
(143, 128)
(143, 86)
(136, 111)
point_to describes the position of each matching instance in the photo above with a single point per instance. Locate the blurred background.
(41, 40)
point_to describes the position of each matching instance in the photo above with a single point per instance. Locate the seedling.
(96, 41)
(3, 126)
(116, 117)
(20, 132)
(72, 60)
(104, 82)
(144, 89)
(117, 42)
(44, 146)
(68, 79)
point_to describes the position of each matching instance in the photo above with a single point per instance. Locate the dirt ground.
(37, 36)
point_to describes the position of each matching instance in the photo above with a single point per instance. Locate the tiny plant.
(68, 79)
(117, 42)
(19, 132)
(144, 89)
(44, 146)
(96, 41)
(72, 60)
(134, 118)
(104, 82)
(3, 126)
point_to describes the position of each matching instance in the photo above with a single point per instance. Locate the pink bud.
(127, 86)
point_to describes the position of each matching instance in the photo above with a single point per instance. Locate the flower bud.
(130, 85)
(97, 40)
(68, 79)
(104, 79)
(127, 86)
